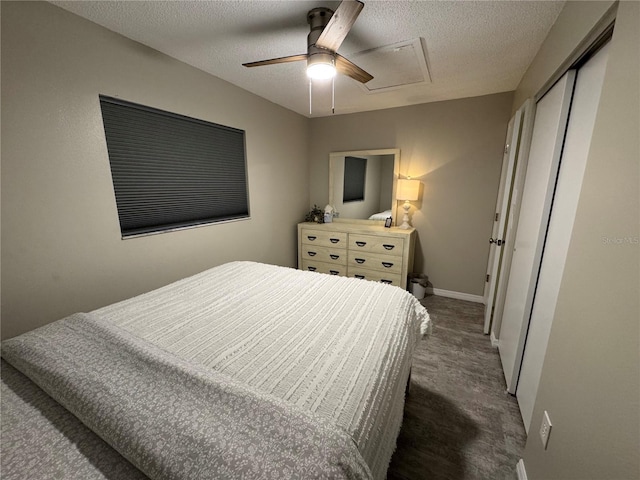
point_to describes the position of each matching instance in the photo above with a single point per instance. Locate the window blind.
(170, 171)
(355, 171)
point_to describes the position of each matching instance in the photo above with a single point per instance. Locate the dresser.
(370, 252)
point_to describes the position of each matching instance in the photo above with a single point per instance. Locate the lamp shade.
(408, 190)
(321, 66)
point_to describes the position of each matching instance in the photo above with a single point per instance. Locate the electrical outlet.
(545, 430)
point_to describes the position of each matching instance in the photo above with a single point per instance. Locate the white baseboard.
(494, 341)
(457, 295)
(520, 470)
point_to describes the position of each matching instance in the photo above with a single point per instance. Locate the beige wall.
(455, 149)
(590, 382)
(61, 245)
(575, 21)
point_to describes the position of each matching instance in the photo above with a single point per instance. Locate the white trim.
(520, 470)
(494, 340)
(457, 295)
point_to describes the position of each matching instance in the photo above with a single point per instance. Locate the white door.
(550, 123)
(501, 215)
(494, 231)
(565, 203)
(528, 114)
(488, 286)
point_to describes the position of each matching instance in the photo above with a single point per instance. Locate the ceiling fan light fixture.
(321, 66)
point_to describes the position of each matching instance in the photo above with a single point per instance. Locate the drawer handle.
(387, 264)
(334, 240)
(383, 280)
(361, 277)
(311, 237)
(334, 257)
(361, 244)
(359, 260)
(311, 254)
(313, 269)
(387, 246)
(334, 272)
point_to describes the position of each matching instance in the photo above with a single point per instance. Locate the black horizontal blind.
(355, 171)
(170, 171)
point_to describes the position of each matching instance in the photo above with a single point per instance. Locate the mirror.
(362, 184)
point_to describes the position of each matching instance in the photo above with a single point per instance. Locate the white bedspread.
(336, 346)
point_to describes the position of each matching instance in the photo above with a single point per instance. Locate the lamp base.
(405, 219)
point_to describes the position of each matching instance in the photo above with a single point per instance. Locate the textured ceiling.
(471, 47)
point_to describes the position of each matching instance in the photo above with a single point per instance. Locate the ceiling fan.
(328, 30)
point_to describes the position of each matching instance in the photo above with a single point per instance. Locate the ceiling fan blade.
(350, 69)
(339, 25)
(273, 61)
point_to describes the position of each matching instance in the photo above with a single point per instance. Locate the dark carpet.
(459, 422)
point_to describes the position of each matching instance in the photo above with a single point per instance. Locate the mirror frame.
(396, 168)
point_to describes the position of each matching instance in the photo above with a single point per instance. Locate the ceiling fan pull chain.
(333, 95)
(310, 83)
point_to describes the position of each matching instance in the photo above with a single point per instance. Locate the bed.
(245, 370)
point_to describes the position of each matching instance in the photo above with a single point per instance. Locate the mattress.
(335, 347)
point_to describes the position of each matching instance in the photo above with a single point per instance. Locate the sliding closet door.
(565, 203)
(544, 157)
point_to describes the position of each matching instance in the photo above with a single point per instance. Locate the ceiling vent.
(395, 66)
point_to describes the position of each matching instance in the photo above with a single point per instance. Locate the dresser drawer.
(323, 238)
(375, 276)
(323, 267)
(374, 261)
(376, 244)
(317, 253)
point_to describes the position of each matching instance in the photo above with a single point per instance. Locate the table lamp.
(408, 191)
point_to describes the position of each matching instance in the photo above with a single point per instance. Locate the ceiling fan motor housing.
(317, 20)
